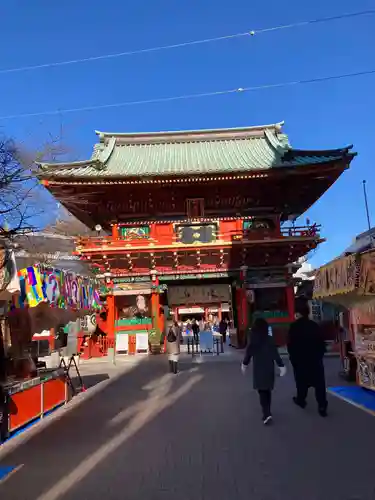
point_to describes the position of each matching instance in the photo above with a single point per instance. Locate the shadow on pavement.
(91, 380)
(152, 435)
(89, 431)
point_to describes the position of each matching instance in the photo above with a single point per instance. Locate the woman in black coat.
(265, 354)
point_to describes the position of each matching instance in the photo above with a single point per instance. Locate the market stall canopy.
(347, 281)
(9, 281)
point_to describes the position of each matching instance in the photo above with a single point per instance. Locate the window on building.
(195, 207)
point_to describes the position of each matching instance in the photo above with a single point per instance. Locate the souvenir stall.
(350, 282)
(363, 334)
(362, 319)
(47, 300)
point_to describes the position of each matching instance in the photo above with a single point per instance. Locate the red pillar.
(206, 314)
(153, 231)
(111, 316)
(161, 319)
(115, 232)
(155, 305)
(51, 339)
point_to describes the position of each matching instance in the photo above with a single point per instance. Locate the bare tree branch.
(17, 184)
(24, 202)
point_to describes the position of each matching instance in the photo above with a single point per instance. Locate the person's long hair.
(259, 332)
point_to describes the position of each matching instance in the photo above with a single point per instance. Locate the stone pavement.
(145, 434)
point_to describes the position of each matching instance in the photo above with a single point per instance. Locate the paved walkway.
(145, 434)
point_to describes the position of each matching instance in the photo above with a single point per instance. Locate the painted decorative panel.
(200, 294)
(258, 224)
(133, 308)
(196, 233)
(135, 233)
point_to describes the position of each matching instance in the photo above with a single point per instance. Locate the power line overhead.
(191, 96)
(186, 44)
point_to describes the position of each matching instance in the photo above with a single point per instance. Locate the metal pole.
(367, 211)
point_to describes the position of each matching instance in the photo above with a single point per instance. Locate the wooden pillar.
(175, 313)
(153, 235)
(206, 314)
(111, 316)
(115, 232)
(155, 305)
(51, 339)
(161, 318)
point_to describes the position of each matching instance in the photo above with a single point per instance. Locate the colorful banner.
(58, 288)
(31, 284)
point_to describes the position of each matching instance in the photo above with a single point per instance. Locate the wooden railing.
(98, 241)
(309, 231)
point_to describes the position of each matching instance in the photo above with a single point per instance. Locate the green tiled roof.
(188, 153)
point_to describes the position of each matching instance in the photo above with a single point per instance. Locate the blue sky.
(322, 115)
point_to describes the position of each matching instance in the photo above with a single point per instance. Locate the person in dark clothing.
(306, 349)
(223, 327)
(262, 349)
(195, 328)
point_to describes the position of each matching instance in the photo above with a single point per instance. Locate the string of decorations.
(59, 288)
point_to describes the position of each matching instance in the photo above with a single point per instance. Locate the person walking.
(195, 329)
(306, 349)
(262, 348)
(223, 327)
(173, 347)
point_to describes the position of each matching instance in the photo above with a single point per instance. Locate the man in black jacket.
(306, 349)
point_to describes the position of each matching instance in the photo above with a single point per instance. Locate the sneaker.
(299, 403)
(267, 420)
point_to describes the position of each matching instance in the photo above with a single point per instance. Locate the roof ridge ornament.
(279, 142)
(98, 165)
(105, 153)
